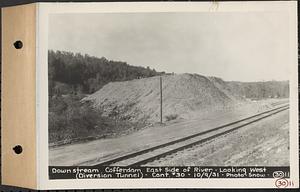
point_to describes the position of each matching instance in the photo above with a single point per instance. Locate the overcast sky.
(233, 46)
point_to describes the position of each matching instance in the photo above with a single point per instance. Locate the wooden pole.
(160, 99)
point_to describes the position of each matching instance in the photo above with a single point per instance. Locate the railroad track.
(279, 103)
(160, 151)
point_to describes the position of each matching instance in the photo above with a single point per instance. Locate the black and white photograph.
(159, 89)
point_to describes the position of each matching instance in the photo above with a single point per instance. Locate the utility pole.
(160, 99)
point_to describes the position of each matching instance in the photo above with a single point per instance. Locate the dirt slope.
(183, 94)
(226, 88)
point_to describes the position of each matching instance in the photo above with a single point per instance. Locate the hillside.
(139, 99)
(226, 88)
(253, 90)
(71, 73)
(72, 76)
(260, 90)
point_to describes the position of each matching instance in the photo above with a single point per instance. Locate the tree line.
(261, 90)
(77, 73)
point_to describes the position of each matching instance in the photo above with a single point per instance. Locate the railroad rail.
(279, 103)
(157, 152)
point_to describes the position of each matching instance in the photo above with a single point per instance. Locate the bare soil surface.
(94, 152)
(265, 143)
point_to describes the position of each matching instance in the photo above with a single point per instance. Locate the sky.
(248, 46)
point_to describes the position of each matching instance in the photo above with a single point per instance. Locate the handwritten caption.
(281, 181)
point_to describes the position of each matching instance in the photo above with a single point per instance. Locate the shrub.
(71, 120)
(171, 117)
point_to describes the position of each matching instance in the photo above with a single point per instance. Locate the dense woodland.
(77, 73)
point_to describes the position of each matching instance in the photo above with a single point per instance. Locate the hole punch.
(18, 44)
(18, 149)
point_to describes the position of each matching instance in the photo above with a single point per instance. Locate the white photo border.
(43, 12)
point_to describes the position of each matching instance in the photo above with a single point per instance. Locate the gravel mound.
(139, 99)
